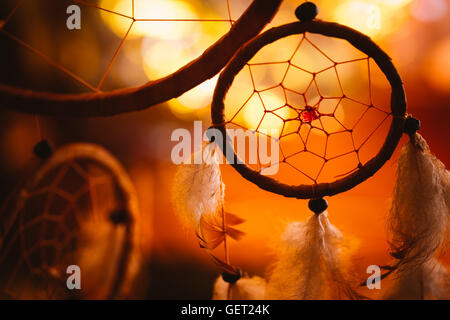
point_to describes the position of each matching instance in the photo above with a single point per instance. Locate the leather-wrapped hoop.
(359, 41)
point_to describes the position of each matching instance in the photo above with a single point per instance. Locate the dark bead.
(120, 216)
(306, 11)
(210, 133)
(43, 149)
(411, 125)
(232, 277)
(318, 205)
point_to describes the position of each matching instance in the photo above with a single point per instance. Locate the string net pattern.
(133, 19)
(313, 112)
(54, 225)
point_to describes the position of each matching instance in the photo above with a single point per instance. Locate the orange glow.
(19, 154)
(194, 100)
(375, 18)
(152, 10)
(360, 15)
(429, 10)
(118, 24)
(256, 119)
(395, 3)
(163, 58)
(437, 66)
(412, 32)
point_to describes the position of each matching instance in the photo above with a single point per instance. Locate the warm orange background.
(176, 267)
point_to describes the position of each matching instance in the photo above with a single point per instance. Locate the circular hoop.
(252, 21)
(360, 42)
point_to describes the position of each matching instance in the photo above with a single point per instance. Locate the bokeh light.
(153, 19)
(375, 18)
(194, 100)
(437, 66)
(429, 10)
(255, 119)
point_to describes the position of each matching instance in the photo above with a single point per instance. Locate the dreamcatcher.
(318, 119)
(49, 227)
(79, 208)
(328, 140)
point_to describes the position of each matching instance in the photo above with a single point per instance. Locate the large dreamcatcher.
(329, 140)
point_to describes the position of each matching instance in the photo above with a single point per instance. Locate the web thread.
(133, 19)
(304, 118)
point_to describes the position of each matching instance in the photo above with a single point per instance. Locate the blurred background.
(415, 33)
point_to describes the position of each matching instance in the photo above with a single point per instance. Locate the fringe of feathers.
(308, 266)
(419, 223)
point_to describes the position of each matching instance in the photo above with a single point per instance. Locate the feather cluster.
(198, 195)
(418, 220)
(427, 281)
(308, 266)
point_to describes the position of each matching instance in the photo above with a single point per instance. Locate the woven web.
(54, 226)
(132, 18)
(328, 117)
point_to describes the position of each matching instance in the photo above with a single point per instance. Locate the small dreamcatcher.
(79, 208)
(329, 140)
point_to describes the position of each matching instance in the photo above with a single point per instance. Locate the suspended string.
(14, 9)
(38, 127)
(224, 220)
(309, 115)
(227, 255)
(132, 18)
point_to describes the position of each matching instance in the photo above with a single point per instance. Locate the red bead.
(310, 114)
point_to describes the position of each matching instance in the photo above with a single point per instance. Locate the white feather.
(308, 265)
(419, 216)
(198, 188)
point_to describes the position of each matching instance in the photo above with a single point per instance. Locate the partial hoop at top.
(252, 21)
(359, 41)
